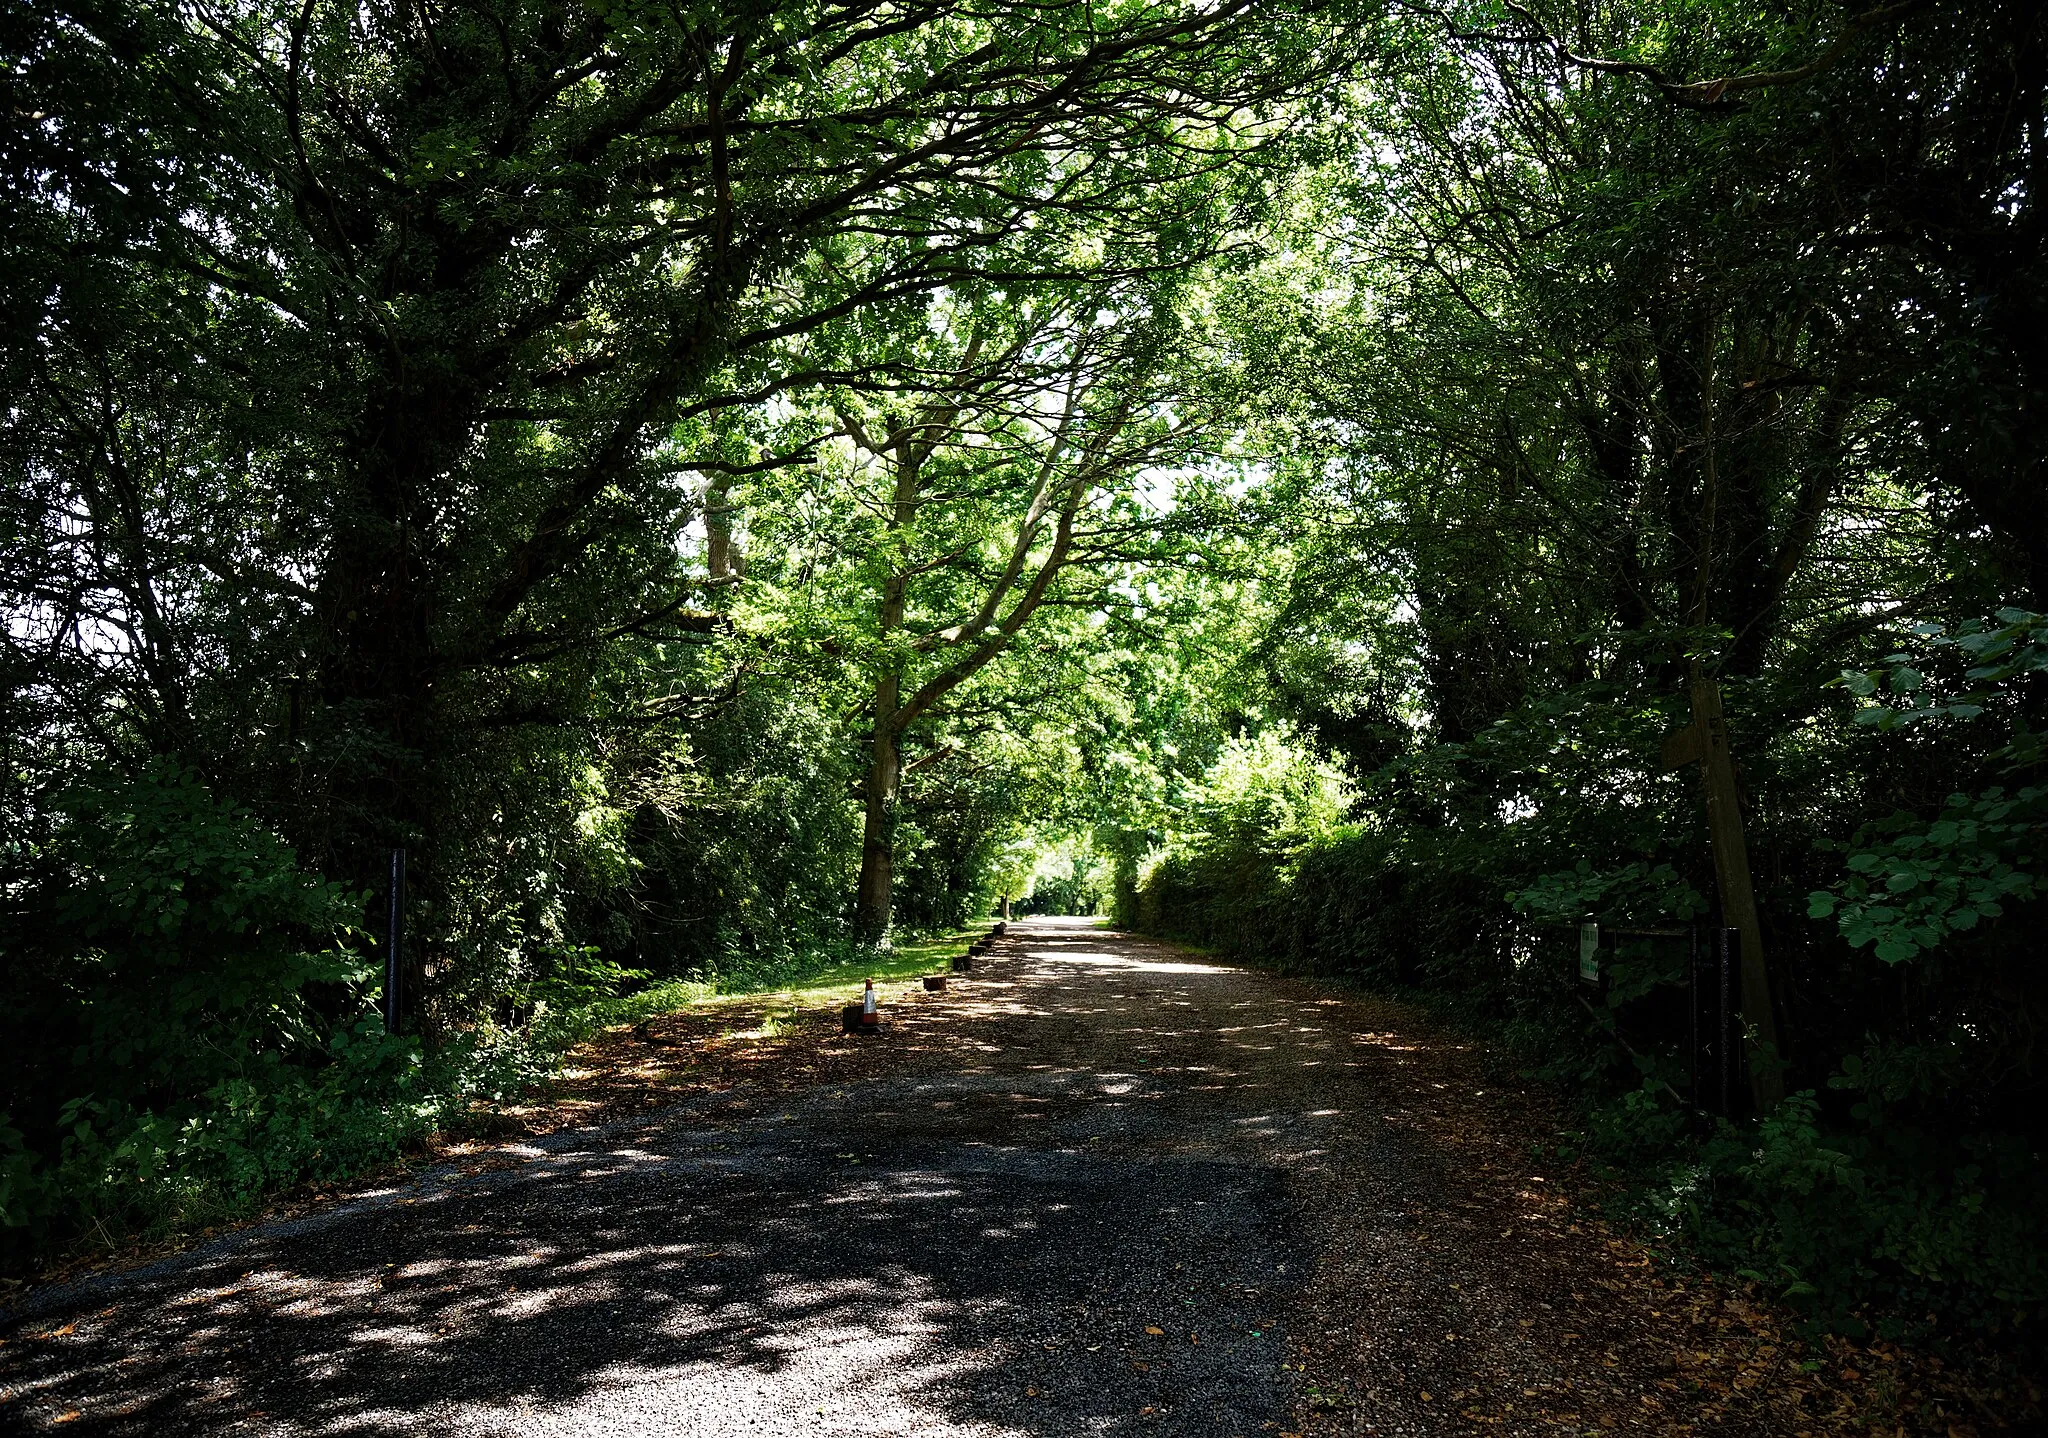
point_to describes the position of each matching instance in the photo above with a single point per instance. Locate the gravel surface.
(1113, 1188)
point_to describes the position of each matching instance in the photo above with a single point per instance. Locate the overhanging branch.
(1697, 94)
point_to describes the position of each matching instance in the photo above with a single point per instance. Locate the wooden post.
(1705, 742)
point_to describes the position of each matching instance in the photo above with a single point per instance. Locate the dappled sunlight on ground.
(817, 1291)
(1095, 1186)
(1096, 959)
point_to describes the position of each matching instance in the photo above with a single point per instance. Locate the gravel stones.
(1103, 1186)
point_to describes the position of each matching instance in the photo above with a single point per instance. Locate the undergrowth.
(215, 1011)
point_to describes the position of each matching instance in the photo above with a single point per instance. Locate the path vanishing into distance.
(1113, 1188)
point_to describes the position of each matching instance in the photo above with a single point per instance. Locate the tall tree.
(1000, 485)
(383, 328)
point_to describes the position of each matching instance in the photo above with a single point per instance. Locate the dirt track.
(1110, 1188)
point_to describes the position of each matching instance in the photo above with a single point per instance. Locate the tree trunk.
(379, 669)
(874, 898)
(1724, 804)
(718, 551)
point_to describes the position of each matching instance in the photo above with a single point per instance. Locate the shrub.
(188, 1006)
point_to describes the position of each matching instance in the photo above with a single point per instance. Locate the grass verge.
(826, 986)
(518, 1082)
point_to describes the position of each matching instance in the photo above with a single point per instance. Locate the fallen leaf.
(1155, 1332)
(1425, 1395)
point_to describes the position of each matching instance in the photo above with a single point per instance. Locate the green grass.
(930, 955)
(842, 983)
(825, 987)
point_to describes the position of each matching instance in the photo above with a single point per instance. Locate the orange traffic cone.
(868, 1016)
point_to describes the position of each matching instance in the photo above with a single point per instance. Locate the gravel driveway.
(1138, 1192)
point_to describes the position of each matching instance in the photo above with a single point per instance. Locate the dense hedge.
(1389, 910)
(1895, 1188)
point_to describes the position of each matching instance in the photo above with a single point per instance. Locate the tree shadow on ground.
(795, 1276)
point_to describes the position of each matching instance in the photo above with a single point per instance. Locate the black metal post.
(1692, 985)
(394, 944)
(1724, 1037)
